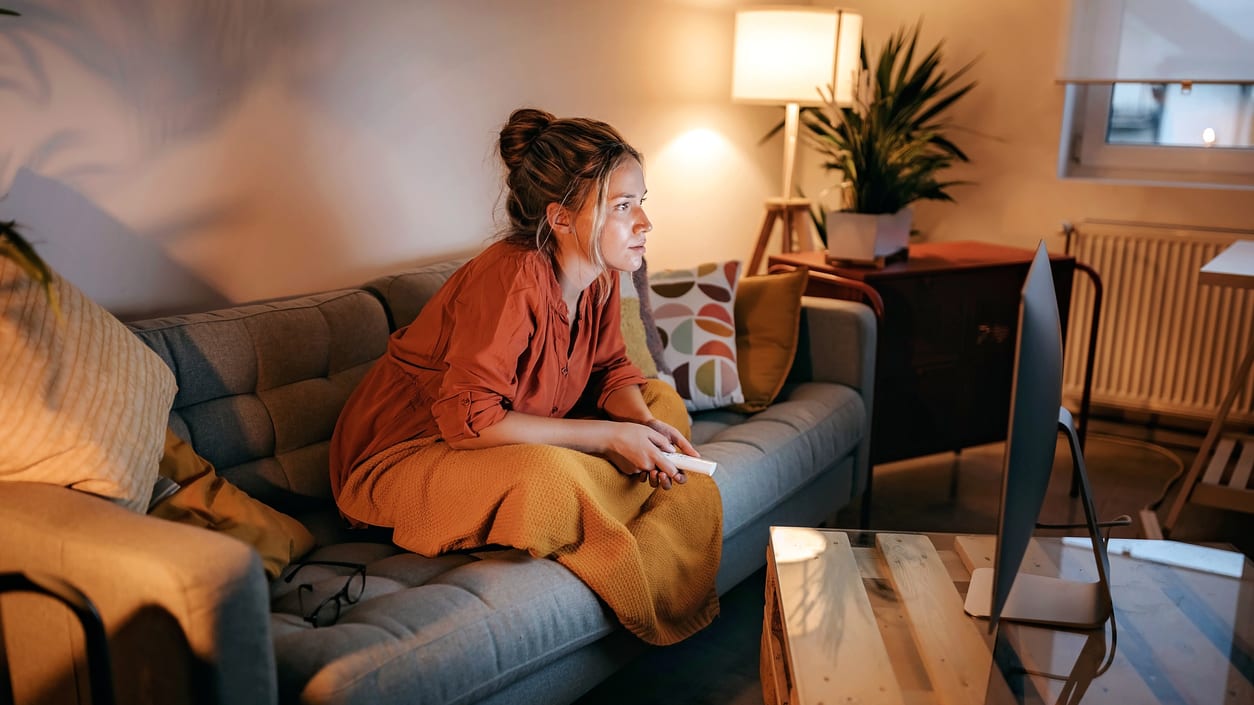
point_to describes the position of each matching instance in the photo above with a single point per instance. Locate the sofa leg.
(864, 514)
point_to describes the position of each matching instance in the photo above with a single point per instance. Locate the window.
(1166, 133)
(1159, 92)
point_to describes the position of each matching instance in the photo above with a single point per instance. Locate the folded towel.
(650, 554)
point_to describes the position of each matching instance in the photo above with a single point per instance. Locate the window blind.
(1159, 41)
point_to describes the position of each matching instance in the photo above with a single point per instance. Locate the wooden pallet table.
(877, 617)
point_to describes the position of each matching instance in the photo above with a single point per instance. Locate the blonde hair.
(563, 161)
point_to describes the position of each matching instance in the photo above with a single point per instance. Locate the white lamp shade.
(785, 54)
(1159, 41)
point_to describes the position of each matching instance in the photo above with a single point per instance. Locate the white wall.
(174, 156)
(169, 158)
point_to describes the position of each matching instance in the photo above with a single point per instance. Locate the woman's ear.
(560, 218)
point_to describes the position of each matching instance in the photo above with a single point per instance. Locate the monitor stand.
(1039, 599)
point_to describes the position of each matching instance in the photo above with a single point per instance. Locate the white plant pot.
(864, 238)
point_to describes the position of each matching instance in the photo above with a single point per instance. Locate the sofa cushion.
(460, 627)
(405, 293)
(455, 628)
(205, 500)
(633, 312)
(768, 321)
(82, 404)
(779, 451)
(261, 387)
(694, 312)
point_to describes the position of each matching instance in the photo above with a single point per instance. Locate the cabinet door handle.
(998, 333)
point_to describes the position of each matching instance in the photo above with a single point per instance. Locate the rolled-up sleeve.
(611, 368)
(493, 325)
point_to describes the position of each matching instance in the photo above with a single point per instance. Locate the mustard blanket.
(650, 554)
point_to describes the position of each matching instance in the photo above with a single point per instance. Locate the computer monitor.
(1036, 417)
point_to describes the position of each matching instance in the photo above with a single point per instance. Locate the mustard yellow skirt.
(650, 554)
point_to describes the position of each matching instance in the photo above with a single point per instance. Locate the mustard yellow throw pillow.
(206, 500)
(768, 320)
(83, 403)
(635, 336)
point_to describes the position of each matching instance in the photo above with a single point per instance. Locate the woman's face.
(623, 237)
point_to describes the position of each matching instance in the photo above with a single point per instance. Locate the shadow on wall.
(97, 253)
(183, 67)
(174, 76)
(272, 148)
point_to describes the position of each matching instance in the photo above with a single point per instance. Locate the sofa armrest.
(186, 610)
(837, 344)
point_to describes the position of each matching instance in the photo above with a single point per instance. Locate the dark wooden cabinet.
(946, 347)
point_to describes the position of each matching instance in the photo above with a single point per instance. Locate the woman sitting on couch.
(508, 413)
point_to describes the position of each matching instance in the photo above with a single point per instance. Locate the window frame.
(1085, 154)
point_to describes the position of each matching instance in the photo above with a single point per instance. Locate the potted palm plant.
(889, 148)
(15, 247)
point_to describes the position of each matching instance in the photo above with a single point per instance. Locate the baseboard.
(1163, 429)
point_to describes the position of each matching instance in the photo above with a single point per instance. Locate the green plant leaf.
(891, 146)
(15, 247)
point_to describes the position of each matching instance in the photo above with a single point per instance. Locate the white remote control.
(691, 464)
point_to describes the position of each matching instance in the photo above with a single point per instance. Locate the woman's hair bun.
(523, 128)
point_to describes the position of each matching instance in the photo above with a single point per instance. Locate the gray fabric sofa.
(193, 619)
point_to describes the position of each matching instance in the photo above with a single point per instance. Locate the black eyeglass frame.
(340, 598)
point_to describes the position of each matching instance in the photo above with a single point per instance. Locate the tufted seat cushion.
(459, 628)
(779, 451)
(450, 629)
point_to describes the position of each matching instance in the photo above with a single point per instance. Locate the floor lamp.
(784, 55)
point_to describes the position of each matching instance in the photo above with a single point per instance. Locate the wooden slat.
(894, 624)
(1150, 528)
(956, 657)
(870, 565)
(1218, 461)
(1223, 497)
(776, 681)
(834, 642)
(975, 551)
(1241, 476)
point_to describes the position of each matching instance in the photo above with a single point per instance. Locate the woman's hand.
(673, 435)
(638, 449)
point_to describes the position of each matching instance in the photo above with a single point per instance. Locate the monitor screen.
(1035, 398)
(1036, 419)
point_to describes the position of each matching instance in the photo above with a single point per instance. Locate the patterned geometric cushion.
(694, 312)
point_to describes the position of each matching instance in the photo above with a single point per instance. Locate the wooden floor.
(948, 492)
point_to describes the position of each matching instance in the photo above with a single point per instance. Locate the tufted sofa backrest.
(405, 293)
(261, 387)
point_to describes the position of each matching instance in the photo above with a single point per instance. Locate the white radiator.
(1166, 345)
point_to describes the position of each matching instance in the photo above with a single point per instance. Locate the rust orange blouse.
(495, 337)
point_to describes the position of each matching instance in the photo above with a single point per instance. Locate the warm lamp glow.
(786, 54)
(697, 145)
(796, 544)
